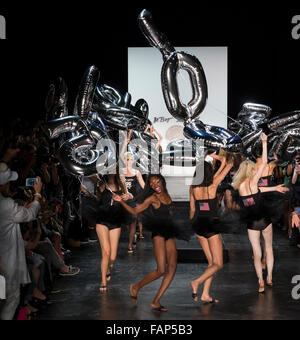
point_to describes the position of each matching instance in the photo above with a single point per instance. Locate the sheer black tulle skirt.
(114, 216)
(167, 227)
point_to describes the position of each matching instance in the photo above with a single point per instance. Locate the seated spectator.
(36, 266)
(12, 252)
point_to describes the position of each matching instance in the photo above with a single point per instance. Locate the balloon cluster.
(87, 138)
(283, 131)
(213, 137)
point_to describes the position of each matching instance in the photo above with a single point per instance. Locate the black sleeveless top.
(206, 218)
(132, 184)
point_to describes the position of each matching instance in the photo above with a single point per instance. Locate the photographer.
(12, 251)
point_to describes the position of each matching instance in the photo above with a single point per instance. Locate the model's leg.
(114, 236)
(140, 224)
(268, 237)
(104, 239)
(216, 250)
(160, 254)
(205, 246)
(132, 232)
(254, 237)
(172, 266)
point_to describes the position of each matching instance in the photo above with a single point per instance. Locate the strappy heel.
(261, 288)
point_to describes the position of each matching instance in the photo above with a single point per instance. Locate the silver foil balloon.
(109, 94)
(55, 128)
(186, 153)
(253, 107)
(288, 138)
(142, 106)
(253, 116)
(84, 100)
(291, 152)
(56, 100)
(154, 36)
(284, 120)
(81, 156)
(213, 137)
(182, 61)
(78, 157)
(174, 62)
(116, 111)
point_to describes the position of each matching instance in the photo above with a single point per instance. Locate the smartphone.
(31, 181)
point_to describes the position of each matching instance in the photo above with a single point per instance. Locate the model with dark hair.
(204, 216)
(111, 216)
(158, 219)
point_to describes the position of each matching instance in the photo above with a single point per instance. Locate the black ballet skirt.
(164, 222)
(206, 221)
(272, 202)
(254, 212)
(111, 213)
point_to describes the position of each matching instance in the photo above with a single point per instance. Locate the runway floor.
(235, 286)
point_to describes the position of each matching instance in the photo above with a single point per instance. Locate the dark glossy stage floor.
(235, 286)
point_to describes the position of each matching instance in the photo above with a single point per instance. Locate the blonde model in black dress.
(110, 218)
(255, 214)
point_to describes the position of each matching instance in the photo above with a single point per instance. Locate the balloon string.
(224, 114)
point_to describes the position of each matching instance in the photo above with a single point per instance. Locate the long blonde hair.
(245, 171)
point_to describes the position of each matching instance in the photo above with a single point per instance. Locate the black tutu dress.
(164, 222)
(273, 203)
(253, 213)
(111, 213)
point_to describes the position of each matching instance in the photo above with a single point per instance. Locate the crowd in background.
(57, 226)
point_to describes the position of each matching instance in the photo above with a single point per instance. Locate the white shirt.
(12, 249)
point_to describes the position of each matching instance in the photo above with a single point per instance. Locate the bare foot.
(195, 289)
(158, 307)
(269, 282)
(103, 288)
(133, 293)
(208, 299)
